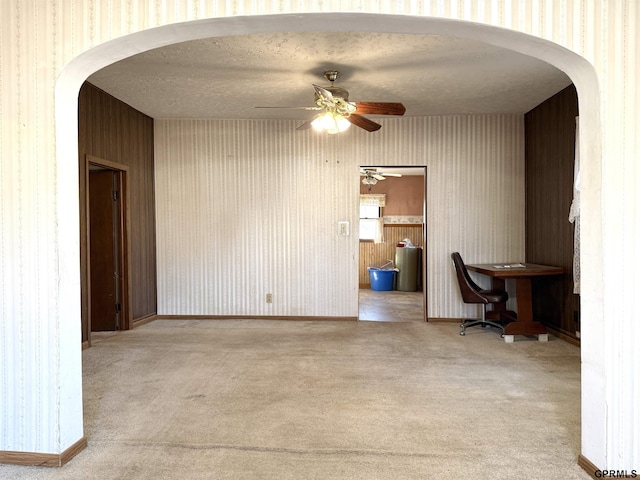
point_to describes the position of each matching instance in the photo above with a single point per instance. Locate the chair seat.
(494, 296)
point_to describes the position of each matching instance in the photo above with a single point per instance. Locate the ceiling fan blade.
(324, 94)
(390, 174)
(378, 177)
(363, 122)
(306, 125)
(380, 108)
(295, 108)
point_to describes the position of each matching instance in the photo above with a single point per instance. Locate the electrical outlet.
(269, 298)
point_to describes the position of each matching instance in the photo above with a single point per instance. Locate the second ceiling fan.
(371, 176)
(336, 112)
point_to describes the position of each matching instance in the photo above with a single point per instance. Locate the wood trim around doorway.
(125, 241)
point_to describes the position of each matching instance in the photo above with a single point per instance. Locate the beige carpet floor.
(258, 399)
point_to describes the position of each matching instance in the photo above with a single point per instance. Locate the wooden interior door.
(104, 250)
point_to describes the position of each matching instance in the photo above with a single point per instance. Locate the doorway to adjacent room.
(393, 211)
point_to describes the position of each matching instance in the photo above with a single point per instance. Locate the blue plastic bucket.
(381, 280)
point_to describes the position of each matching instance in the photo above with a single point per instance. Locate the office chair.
(472, 293)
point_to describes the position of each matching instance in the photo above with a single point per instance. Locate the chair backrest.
(468, 288)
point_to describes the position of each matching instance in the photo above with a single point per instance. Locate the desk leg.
(523, 297)
(524, 325)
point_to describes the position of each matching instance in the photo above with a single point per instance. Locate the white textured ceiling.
(227, 77)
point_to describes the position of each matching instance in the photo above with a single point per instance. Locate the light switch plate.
(343, 228)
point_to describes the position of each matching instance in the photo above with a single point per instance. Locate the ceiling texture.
(228, 77)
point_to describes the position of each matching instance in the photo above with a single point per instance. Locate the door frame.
(425, 302)
(425, 281)
(124, 241)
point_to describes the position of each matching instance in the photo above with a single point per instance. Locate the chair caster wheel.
(462, 333)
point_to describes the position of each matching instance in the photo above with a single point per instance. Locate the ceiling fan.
(372, 176)
(337, 113)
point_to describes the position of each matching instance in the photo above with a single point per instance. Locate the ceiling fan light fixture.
(339, 113)
(368, 180)
(330, 122)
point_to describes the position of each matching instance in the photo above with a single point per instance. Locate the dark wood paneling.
(550, 157)
(114, 131)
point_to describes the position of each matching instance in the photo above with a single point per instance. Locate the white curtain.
(574, 214)
(379, 238)
(375, 200)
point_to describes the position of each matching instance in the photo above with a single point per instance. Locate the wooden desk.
(523, 323)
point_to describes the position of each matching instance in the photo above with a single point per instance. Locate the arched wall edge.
(576, 67)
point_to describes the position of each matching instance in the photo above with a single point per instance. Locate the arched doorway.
(80, 68)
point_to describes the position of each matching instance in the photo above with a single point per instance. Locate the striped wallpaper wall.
(246, 208)
(47, 49)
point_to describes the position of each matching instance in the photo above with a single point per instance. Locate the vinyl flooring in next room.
(390, 306)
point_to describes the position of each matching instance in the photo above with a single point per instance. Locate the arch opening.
(78, 70)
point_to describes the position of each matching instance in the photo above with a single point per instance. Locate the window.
(371, 224)
(369, 220)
